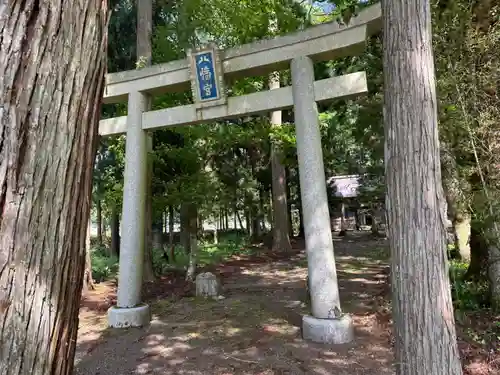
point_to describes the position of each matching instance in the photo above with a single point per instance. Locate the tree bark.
(185, 240)
(192, 213)
(242, 227)
(424, 325)
(248, 221)
(376, 219)
(157, 238)
(52, 70)
(289, 203)
(170, 226)
(148, 275)
(494, 275)
(235, 208)
(115, 232)
(281, 239)
(99, 223)
(262, 211)
(216, 231)
(226, 218)
(479, 255)
(144, 53)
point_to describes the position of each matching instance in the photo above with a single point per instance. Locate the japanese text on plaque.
(205, 72)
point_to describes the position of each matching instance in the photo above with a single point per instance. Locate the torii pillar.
(327, 324)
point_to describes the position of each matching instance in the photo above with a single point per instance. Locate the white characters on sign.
(205, 74)
(207, 87)
(202, 59)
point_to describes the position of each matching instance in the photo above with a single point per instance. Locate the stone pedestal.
(129, 310)
(328, 331)
(137, 316)
(325, 302)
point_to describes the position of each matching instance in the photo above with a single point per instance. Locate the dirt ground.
(255, 329)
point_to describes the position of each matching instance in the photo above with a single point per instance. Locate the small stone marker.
(207, 285)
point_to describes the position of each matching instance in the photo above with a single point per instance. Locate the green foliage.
(230, 244)
(225, 165)
(467, 295)
(104, 267)
(466, 39)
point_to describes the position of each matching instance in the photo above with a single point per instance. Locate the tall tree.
(52, 68)
(422, 307)
(144, 52)
(281, 239)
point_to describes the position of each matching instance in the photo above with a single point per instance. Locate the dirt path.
(254, 330)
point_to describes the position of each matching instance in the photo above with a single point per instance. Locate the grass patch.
(382, 253)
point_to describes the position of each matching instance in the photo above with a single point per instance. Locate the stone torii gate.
(206, 70)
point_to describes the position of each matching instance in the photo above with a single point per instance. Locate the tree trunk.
(144, 30)
(216, 231)
(193, 241)
(494, 275)
(239, 220)
(185, 241)
(170, 226)
(289, 203)
(248, 219)
(226, 219)
(104, 229)
(115, 232)
(52, 70)
(479, 255)
(157, 238)
(262, 211)
(201, 228)
(149, 275)
(99, 223)
(255, 224)
(424, 325)
(281, 229)
(376, 219)
(88, 281)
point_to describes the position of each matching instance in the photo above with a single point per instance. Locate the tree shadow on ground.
(256, 328)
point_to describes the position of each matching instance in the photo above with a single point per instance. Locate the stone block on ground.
(207, 285)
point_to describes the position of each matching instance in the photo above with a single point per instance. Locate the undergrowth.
(467, 295)
(105, 267)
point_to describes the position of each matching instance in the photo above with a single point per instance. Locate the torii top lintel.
(323, 42)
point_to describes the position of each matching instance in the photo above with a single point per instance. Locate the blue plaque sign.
(205, 75)
(207, 80)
